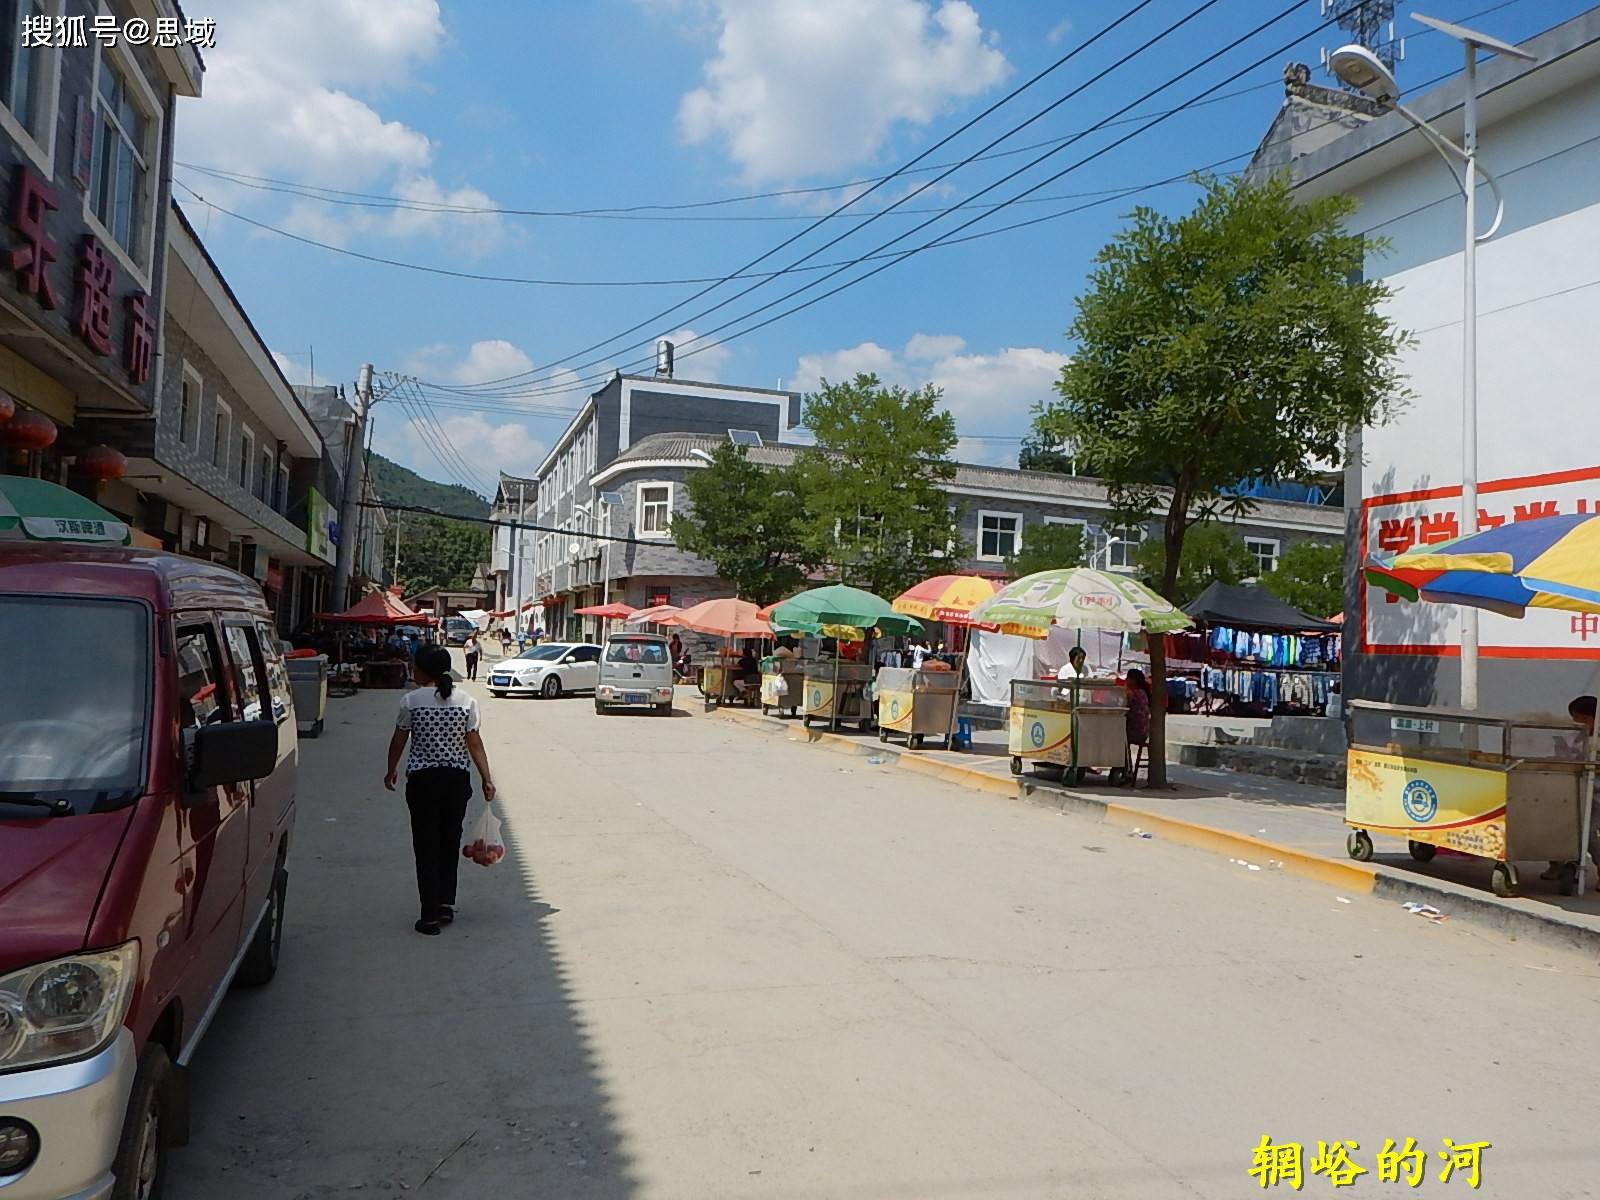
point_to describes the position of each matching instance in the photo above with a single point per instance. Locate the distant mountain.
(402, 485)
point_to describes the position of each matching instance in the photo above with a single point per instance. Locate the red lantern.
(29, 430)
(8, 408)
(102, 463)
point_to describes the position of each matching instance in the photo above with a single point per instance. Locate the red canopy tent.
(378, 608)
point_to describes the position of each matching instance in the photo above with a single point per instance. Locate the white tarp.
(997, 658)
(477, 616)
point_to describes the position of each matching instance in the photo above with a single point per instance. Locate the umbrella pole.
(955, 702)
(1586, 818)
(833, 715)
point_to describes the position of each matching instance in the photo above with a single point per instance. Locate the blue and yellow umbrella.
(1548, 562)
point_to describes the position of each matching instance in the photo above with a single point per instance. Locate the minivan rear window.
(652, 654)
(74, 713)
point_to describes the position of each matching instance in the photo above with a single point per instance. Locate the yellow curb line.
(1353, 877)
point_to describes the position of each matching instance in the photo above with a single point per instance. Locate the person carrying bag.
(440, 724)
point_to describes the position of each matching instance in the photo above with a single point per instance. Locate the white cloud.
(487, 445)
(295, 370)
(992, 396)
(1059, 31)
(288, 95)
(799, 87)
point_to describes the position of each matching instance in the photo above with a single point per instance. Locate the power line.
(510, 523)
(1151, 123)
(850, 203)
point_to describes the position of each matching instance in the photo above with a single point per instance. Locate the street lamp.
(1106, 551)
(1361, 69)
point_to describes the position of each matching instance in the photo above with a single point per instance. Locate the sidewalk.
(1267, 823)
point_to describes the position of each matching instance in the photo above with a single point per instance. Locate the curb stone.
(1551, 927)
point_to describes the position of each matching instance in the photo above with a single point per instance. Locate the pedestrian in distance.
(472, 650)
(440, 724)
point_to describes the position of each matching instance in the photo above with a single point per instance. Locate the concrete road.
(717, 964)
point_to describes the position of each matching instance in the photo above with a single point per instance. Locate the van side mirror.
(232, 752)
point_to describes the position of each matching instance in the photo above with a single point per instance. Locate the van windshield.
(73, 711)
(650, 653)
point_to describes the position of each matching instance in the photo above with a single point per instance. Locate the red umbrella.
(378, 608)
(614, 611)
(726, 618)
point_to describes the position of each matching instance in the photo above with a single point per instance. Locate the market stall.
(1250, 653)
(722, 679)
(1079, 723)
(836, 689)
(1074, 725)
(928, 701)
(916, 704)
(1505, 789)
(379, 665)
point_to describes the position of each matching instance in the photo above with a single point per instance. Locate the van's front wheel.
(141, 1164)
(260, 962)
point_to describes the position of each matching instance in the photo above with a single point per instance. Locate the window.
(999, 535)
(657, 599)
(277, 673)
(1116, 549)
(652, 653)
(281, 501)
(119, 176)
(244, 663)
(27, 73)
(201, 700)
(247, 453)
(655, 510)
(221, 428)
(188, 406)
(264, 477)
(1265, 551)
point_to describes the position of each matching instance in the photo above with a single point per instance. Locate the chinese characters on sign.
(96, 279)
(1284, 1164)
(1414, 522)
(42, 31)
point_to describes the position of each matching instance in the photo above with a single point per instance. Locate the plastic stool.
(963, 738)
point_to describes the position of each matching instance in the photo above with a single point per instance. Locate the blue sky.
(507, 104)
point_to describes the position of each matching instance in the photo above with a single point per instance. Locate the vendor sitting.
(1076, 666)
(747, 675)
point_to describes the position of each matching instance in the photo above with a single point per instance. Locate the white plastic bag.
(780, 686)
(483, 845)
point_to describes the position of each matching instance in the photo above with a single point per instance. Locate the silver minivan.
(635, 672)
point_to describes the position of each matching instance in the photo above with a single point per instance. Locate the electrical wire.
(1200, 64)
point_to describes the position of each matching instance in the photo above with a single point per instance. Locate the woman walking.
(441, 725)
(472, 650)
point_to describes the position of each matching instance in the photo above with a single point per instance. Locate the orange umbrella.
(614, 611)
(948, 598)
(728, 618)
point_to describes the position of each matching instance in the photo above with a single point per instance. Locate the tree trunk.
(1176, 526)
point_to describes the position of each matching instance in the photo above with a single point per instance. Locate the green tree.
(1238, 341)
(436, 551)
(1044, 454)
(1047, 548)
(748, 522)
(1310, 576)
(1211, 552)
(875, 507)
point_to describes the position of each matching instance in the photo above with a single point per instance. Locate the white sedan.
(547, 670)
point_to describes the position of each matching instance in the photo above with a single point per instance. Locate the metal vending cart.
(792, 673)
(1508, 790)
(308, 683)
(1073, 724)
(914, 703)
(837, 691)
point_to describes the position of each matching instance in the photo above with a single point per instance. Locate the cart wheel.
(915, 741)
(1503, 879)
(1118, 777)
(1071, 776)
(883, 734)
(1359, 845)
(764, 710)
(1422, 851)
(1016, 764)
(865, 727)
(806, 722)
(1569, 879)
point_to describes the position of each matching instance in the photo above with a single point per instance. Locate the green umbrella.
(33, 510)
(1078, 598)
(838, 604)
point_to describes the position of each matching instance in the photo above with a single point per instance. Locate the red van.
(147, 797)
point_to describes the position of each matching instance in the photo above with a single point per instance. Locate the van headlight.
(68, 1008)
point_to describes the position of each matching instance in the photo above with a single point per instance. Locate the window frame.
(1016, 534)
(1250, 544)
(247, 458)
(221, 434)
(42, 155)
(188, 436)
(144, 96)
(1125, 543)
(639, 503)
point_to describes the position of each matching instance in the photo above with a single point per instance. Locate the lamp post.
(1360, 68)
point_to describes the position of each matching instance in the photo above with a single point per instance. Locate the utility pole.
(354, 483)
(397, 517)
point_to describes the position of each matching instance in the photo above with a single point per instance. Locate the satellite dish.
(574, 549)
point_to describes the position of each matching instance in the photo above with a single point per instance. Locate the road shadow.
(384, 1063)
